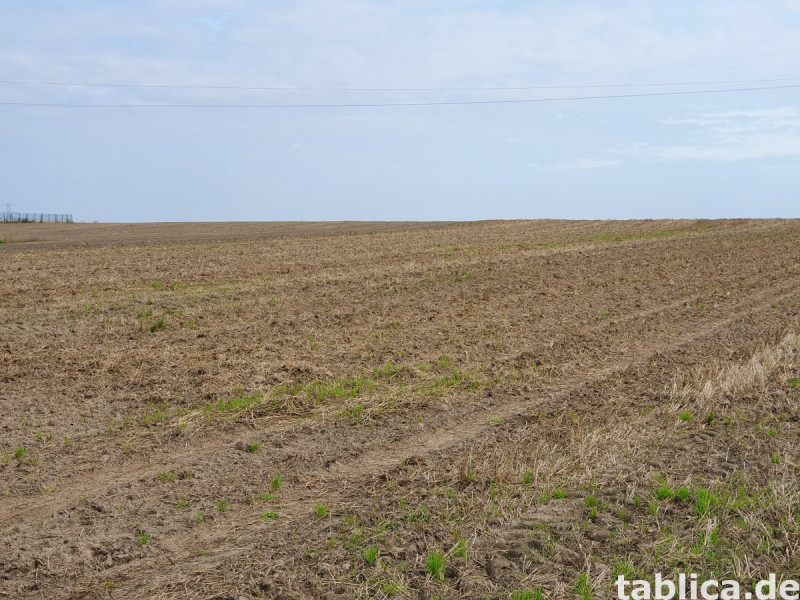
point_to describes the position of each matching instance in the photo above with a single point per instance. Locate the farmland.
(360, 410)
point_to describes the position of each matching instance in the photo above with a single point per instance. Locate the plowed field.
(405, 411)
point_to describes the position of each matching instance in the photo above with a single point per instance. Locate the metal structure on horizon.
(20, 217)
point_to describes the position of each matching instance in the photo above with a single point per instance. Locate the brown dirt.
(30, 236)
(431, 387)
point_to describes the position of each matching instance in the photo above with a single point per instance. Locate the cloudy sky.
(687, 155)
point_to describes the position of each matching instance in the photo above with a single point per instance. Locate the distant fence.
(34, 218)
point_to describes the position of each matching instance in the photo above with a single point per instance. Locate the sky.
(705, 155)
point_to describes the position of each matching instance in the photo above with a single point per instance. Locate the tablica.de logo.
(689, 588)
(685, 587)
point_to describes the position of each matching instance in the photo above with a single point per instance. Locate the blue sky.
(715, 155)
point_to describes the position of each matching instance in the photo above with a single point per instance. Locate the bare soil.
(30, 236)
(316, 410)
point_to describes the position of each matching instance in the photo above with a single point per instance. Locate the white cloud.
(732, 135)
(749, 148)
(360, 42)
(784, 167)
(578, 164)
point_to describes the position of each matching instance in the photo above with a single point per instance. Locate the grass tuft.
(371, 555)
(682, 494)
(582, 588)
(663, 492)
(435, 565)
(536, 594)
(703, 501)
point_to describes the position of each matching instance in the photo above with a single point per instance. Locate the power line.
(400, 104)
(387, 89)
